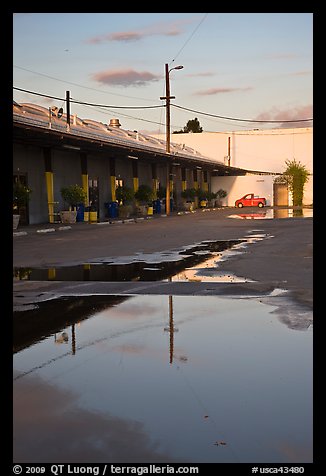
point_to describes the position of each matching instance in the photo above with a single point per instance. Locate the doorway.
(22, 210)
(281, 194)
(93, 194)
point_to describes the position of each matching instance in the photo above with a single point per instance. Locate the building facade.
(52, 150)
(263, 150)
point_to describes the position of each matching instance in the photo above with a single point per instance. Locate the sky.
(248, 66)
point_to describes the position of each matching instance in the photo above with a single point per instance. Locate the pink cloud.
(293, 114)
(300, 73)
(125, 77)
(212, 91)
(159, 29)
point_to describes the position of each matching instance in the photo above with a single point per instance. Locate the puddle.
(196, 263)
(134, 379)
(274, 213)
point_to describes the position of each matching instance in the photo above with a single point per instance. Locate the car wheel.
(240, 205)
(260, 204)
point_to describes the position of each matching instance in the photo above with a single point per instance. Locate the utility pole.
(68, 109)
(167, 98)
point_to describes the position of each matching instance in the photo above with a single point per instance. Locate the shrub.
(124, 194)
(144, 194)
(21, 195)
(73, 195)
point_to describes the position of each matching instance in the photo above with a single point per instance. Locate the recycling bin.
(80, 212)
(112, 208)
(157, 206)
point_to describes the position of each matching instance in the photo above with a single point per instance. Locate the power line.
(237, 119)
(192, 34)
(79, 85)
(90, 104)
(128, 116)
(162, 105)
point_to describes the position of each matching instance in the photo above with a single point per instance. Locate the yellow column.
(51, 274)
(155, 186)
(184, 185)
(113, 181)
(49, 190)
(85, 187)
(135, 183)
(84, 178)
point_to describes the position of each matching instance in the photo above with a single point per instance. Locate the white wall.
(236, 187)
(257, 150)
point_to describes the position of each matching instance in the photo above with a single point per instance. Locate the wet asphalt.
(282, 260)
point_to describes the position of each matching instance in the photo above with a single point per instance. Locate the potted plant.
(189, 195)
(73, 195)
(144, 196)
(21, 197)
(219, 195)
(124, 196)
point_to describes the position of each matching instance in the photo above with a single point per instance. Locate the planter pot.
(124, 211)
(15, 221)
(93, 216)
(142, 210)
(68, 216)
(189, 206)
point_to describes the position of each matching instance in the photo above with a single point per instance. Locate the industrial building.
(52, 149)
(264, 150)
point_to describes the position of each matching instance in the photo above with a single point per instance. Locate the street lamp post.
(167, 98)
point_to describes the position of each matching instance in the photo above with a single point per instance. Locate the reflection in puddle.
(275, 213)
(196, 263)
(163, 379)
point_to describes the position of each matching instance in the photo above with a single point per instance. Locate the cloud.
(50, 426)
(300, 73)
(282, 56)
(158, 29)
(292, 114)
(125, 77)
(212, 91)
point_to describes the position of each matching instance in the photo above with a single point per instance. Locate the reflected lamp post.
(167, 98)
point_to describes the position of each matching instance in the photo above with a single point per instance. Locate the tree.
(189, 194)
(74, 195)
(144, 194)
(124, 194)
(21, 196)
(192, 125)
(296, 175)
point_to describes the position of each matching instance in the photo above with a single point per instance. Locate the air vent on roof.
(114, 123)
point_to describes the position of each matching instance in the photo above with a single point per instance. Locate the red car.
(250, 200)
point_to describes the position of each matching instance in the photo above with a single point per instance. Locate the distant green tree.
(193, 125)
(296, 175)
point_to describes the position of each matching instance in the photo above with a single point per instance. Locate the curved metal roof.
(27, 114)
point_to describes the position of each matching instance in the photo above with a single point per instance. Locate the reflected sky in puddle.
(274, 213)
(198, 262)
(165, 379)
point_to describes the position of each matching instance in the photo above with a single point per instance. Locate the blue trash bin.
(80, 212)
(157, 206)
(112, 209)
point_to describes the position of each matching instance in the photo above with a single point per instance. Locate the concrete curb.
(109, 222)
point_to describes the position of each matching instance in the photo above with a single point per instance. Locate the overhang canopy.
(36, 125)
